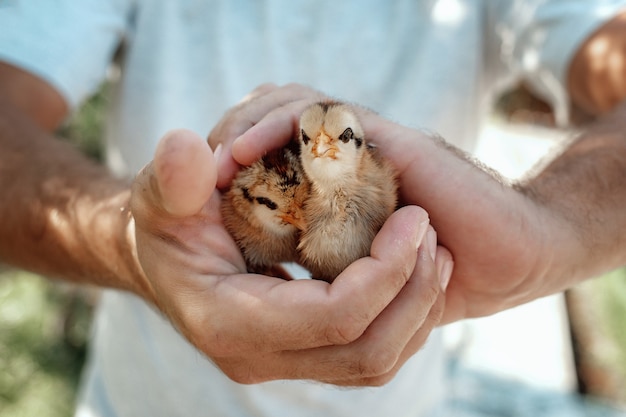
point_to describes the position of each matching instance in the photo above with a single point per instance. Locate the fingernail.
(431, 242)
(421, 232)
(217, 153)
(445, 272)
(237, 140)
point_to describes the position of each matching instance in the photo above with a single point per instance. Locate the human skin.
(359, 330)
(65, 216)
(511, 242)
(69, 218)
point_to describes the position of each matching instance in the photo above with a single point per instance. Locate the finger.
(183, 172)
(276, 129)
(400, 144)
(397, 333)
(259, 91)
(442, 257)
(176, 183)
(376, 280)
(445, 266)
(246, 115)
(423, 268)
(401, 329)
(252, 111)
(432, 320)
(311, 313)
(413, 346)
(237, 120)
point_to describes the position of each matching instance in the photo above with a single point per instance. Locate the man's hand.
(358, 330)
(484, 223)
(510, 243)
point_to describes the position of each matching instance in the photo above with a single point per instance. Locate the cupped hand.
(277, 107)
(497, 236)
(358, 330)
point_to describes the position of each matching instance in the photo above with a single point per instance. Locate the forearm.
(63, 215)
(585, 186)
(513, 243)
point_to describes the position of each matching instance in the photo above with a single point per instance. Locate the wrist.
(559, 257)
(118, 260)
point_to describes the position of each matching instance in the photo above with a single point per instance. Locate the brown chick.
(263, 209)
(353, 190)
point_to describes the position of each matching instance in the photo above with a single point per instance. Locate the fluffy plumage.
(263, 209)
(319, 201)
(353, 190)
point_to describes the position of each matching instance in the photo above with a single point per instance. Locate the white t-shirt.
(431, 64)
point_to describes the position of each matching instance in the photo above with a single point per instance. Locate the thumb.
(182, 176)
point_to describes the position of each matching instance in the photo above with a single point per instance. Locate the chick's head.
(271, 192)
(332, 143)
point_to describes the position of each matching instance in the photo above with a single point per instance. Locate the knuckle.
(377, 362)
(398, 270)
(432, 294)
(235, 122)
(213, 342)
(245, 377)
(293, 86)
(238, 124)
(405, 271)
(438, 309)
(379, 381)
(345, 330)
(210, 344)
(241, 373)
(263, 88)
(432, 290)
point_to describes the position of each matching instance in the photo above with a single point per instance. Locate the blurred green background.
(44, 325)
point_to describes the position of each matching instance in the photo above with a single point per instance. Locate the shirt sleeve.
(68, 43)
(539, 38)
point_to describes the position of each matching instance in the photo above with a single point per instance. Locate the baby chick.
(353, 190)
(262, 210)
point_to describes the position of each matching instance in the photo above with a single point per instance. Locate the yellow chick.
(353, 190)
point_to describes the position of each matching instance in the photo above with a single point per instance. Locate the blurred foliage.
(44, 328)
(85, 126)
(612, 305)
(598, 313)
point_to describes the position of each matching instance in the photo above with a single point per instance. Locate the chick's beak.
(324, 146)
(294, 219)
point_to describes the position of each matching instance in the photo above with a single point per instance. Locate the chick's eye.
(267, 202)
(305, 138)
(346, 135)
